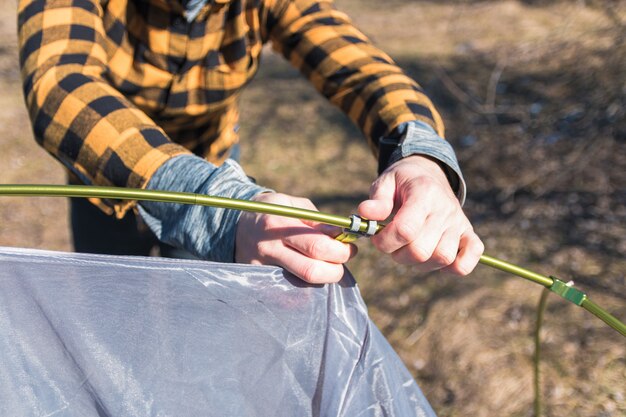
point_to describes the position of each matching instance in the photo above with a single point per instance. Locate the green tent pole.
(603, 315)
(559, 287)
(555, 285)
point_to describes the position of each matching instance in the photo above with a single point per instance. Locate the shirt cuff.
(206, 232)
(418, 138)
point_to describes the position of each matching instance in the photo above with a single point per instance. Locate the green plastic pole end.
(568, 292)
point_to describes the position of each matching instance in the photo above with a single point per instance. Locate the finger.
(380, 204)
(307, 204)
(406, 227)
(428, 255)
(319, 246)
(304, 203)
(327, 229)
(310, 270)
(407, 224)
(470, 250)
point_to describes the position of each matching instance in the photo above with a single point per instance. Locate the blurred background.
(534, 97)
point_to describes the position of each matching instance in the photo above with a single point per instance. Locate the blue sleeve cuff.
(418, 138)
(206, 232)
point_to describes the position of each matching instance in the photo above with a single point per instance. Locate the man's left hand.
(429, 228)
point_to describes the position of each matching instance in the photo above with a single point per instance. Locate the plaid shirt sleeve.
(78, 117)
(345, 67)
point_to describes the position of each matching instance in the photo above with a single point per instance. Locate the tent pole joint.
(567, 291)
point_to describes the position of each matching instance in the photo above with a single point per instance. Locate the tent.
(92, 335)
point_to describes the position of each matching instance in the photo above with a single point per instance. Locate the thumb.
(382, 195)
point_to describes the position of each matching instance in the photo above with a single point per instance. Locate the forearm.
(347, 68)
(363, 81)
(77, 116)
(94, 131)
(206, 232)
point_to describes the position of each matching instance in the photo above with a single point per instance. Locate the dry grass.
(534, 94)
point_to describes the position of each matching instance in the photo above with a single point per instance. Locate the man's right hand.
(306, 249)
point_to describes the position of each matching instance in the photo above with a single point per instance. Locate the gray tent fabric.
(92, 335)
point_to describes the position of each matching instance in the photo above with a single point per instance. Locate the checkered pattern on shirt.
(116, 87)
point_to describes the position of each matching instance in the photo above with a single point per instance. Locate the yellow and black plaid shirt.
(116, 87)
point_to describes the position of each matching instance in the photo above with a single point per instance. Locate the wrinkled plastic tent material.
(88, 335)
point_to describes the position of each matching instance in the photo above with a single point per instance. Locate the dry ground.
(534, 95)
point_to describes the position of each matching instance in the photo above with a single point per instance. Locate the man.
(143, 93)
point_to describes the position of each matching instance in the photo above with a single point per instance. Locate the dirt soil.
(534, 98)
